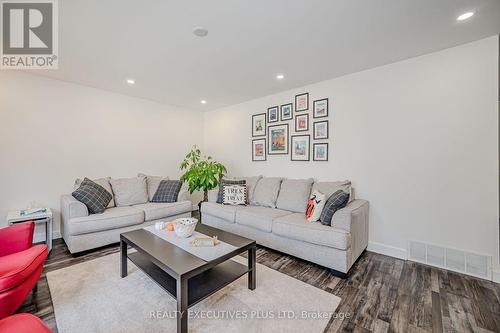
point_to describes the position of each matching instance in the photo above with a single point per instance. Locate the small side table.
(39, 218)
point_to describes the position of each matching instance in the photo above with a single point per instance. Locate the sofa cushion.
(104, 182)
(222, 211)
(112, 218)
(260, 218)
(251, 183)
(17, 267)
(295, 226)
(328, 188)
(294, 194)
(129, 191)
(152, 184)
(266, 192)
(92, 195)
(159, 210)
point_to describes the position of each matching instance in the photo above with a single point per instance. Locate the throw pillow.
(220, 195)
(251, 183)
(167, 191)
(315, 206)
(92, 195)
(104, 182)
(235, 195)
(335, 202)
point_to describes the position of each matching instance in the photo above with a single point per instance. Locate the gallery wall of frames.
(298, 129)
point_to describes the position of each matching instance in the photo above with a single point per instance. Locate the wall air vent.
(478, 265)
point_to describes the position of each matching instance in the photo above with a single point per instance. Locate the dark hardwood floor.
(381, 294)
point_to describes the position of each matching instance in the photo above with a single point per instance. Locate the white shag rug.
(91, 297)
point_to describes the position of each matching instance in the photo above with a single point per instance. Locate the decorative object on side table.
(259, 149)
(286, 111)
(320, 108)
(320, 130)
(302, 102)
(320, 152)
(278, 139)
(259, 124)
(300, 147)
(272, 114)
(205, 241)
(184, 227)
(44, 216)
(301, 122)
(203, 173)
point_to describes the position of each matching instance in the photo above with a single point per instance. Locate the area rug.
(91, 297)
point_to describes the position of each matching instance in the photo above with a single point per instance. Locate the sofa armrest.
(71, 208)
(356, 211)
(212, 195)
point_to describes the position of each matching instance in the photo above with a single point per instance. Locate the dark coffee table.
(184, 276)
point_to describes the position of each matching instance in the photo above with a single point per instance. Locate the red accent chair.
(21, 265)
(23, 323)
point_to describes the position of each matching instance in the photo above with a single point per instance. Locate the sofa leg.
(35, 288)
(338, 274)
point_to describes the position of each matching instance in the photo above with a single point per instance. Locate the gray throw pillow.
(153, 182)
(220, 195)
(104, 182)
(336, 201)
(266, 192)
(167, 191)
(294, 194)
(92, 195)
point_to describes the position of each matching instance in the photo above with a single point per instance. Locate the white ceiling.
(104, 42)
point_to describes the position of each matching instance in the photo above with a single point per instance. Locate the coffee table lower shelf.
(200, 286)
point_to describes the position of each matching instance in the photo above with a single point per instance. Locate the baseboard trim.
(387, 250)
(495, 276)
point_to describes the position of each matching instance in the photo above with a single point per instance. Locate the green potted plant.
(202, 173)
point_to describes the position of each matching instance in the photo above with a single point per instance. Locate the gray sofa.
(275, 218)
(83, 231)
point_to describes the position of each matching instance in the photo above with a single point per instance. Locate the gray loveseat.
(83, 231)
(275, 218)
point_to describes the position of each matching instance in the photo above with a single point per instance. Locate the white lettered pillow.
(234, 195)
(315, 206)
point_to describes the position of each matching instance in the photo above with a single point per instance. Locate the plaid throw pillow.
(167, 191)
(220, 195)
(92, 195)
(336, 201)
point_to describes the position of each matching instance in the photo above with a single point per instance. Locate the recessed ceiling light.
(200, 31)
(130, 82)
(203, 101)
(465, 16)
(280, 76)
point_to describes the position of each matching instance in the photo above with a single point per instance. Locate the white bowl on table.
(184, 227)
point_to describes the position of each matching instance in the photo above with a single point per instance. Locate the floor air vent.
(474, 264)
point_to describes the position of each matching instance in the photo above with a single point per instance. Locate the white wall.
(418, 139)
(52, 132)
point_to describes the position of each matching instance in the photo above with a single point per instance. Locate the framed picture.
(320, 130)
(272, 114)
(259, 124)
(302, 102)
(320, 152)
(320, 108)
(300, 147)
(286, 111)
(278, 139)
(301, 122)
(259, 149)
